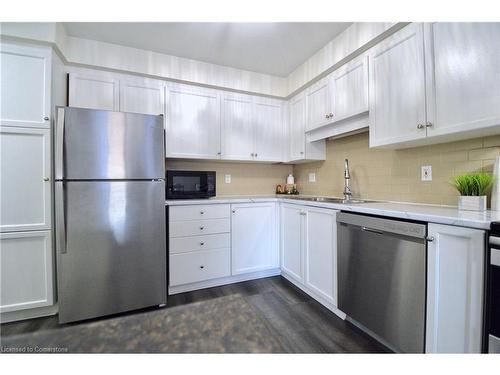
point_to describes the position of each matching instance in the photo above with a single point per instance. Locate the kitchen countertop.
(413, 211)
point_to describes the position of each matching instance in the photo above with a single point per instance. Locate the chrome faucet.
(347, 176)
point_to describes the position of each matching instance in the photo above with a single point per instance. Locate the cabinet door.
(455, 272)
(237, 131)
(268, 128)
(463, 84)
(292, 241)
(142, 96)
(193, 122)
(25, 81)
(318, 104)
(92, 90)
(321, 253)
(254, 244)
(397, 88)
(25, 179)
(297, 127)
(349, 89)
(26, 265)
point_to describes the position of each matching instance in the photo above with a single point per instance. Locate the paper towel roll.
(495, 190)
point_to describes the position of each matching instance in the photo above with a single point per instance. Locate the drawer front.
(195, 243)
(199, 212)
(199, 227)
(199, 266)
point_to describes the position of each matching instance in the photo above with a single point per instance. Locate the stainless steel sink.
(332, 200)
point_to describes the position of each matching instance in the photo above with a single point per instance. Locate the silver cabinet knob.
(326, 116)
(234, 211)
(201, 228)
(331, 115)
(302, 152)
(255, 154)
(251, 154)
(420, 126)
(219, 153)
(430, 239)
(46, 118)
(201, 267)
(202, 212)
(46, 179)
(202, 243)
(429, 124)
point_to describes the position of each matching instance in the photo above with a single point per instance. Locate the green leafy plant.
(473, 184)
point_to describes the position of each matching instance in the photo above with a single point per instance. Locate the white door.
(142, 96)
(26, 270)
(193, 122)
(321, 253)
(25, 179)
(237, 131)
(94, 90)
(254, 245)
(292, 240)
(269, 129)
(463, 61)
(397, 88)
(349, 89)
(455, 274)
(318, 104)
(25, 81)
(297, 127)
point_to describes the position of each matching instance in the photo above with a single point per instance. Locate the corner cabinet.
(455, 289)
(192, 122)
(254, 237)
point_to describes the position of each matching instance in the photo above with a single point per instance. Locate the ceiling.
(271, 48)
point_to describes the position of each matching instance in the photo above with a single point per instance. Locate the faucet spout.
(347, 177)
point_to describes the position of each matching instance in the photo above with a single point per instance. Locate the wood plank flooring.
(300, 324)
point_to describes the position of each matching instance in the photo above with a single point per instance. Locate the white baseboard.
(38, 312)
(222, 281)
(314, 295)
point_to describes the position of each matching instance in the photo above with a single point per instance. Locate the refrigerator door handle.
(59, 144)
(60, 217)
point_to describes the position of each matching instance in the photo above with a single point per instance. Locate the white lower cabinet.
(455, 288)
(254, 242)
(309, 250)
(26, 270)
(197, 266)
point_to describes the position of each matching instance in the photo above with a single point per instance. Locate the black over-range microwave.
(190, 184)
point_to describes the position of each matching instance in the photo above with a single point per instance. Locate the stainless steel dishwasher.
(381, 278)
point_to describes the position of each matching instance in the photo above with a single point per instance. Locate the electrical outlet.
(312, 177)
(426, 172)
(227, 178)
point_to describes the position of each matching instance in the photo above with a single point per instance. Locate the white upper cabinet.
(299, 147)
(269, 129)
(96, 90)
(25, 81)
(254, 242)
(464, 80)
(318, 108)
(397, 88)
(237, 132)
(455, 289)
(292, 240)
(142, 95)
(192, 122)
(25, 183)
(349, 89)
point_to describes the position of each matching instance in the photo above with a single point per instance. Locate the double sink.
(331, 200)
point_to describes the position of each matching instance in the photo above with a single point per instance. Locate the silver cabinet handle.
(255, 154)
(46, 118)
(251, 154)
(201, 267)
(429, 124)
(46, 179)
(202, 243)
(326, 116)
(331, 115)
(420, 126)
(202, 212)
(219, 153)
(201, 228)
(303, 213)
(234, 211)
(60, 217)
(302, 152)
(430, 239)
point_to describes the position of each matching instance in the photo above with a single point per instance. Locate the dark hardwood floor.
(300, 324)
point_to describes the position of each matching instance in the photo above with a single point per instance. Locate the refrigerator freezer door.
(114, 258)
(95, 144)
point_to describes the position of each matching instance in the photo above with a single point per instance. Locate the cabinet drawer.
(198, 266)
(194, 243)
(197, 212)
(199, 227)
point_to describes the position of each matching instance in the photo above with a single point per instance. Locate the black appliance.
(190, 184)
(493, 302)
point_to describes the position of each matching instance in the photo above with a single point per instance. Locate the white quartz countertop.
(422, 212)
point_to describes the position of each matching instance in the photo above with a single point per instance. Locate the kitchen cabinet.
(97, 90)
(26, 174)
(292, 240)
(269, 129)
(318, 108)
(25, 85)
(254, 242)
(237, 131)
(463, 84)
(299, 148)
(397, 88)
(455, 288)
(26, 270)
(192, 122)
(141, 95)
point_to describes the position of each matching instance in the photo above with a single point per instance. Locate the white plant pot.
(472, 203)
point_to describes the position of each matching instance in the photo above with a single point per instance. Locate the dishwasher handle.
(365, 229)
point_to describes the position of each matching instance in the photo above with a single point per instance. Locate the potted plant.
(473, 188)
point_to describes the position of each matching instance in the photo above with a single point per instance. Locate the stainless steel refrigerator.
(109, 212)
